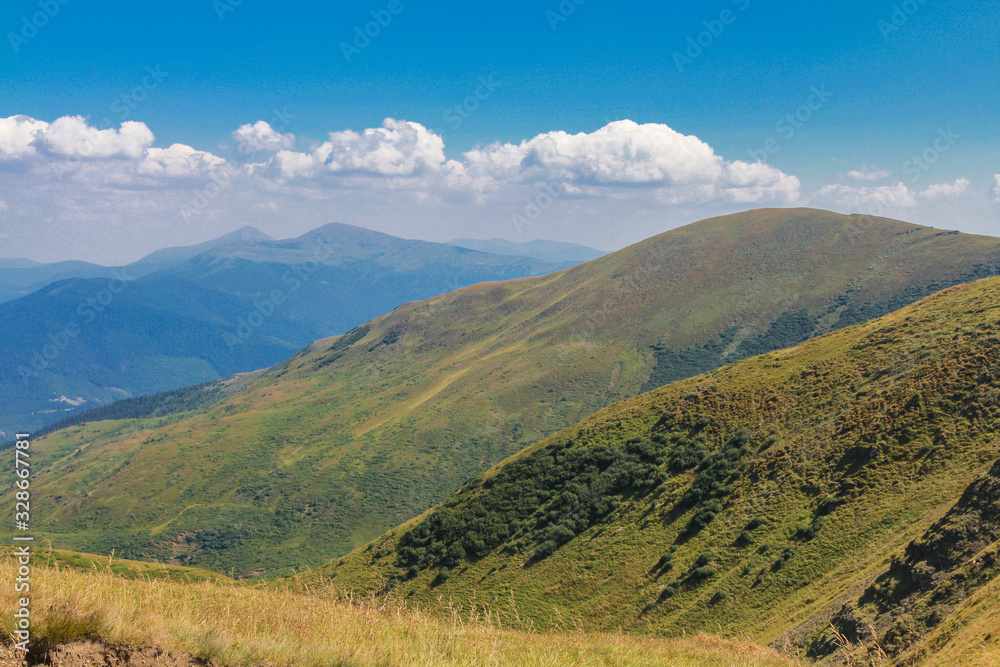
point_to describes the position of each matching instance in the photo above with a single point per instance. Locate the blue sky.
(888, 81)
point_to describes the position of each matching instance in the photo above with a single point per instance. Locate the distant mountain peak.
(169, 257)
(248, 233)
(346, 232)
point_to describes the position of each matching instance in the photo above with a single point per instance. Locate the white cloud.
(261, 137)
(996, 188)
(746, 182)
(18, 134)
(398, 148)
(946, 189)
(623, 154)
(70, 147)
(890, 196)
(288, 165)
(620, 153)
(178, 160)
(867, 173)
(72, 136)
(4, 206)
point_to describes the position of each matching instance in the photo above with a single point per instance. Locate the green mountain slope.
(851, 480)
(357, 434)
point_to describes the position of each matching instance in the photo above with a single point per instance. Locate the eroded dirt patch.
(94, 654)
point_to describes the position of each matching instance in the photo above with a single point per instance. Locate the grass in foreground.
(233, 624)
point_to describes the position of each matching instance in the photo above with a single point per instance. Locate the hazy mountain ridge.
(235, 304)
(20, 277)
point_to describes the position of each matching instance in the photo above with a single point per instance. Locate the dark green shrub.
(544, 550)
(670, 590)
(806, 533)
(565, 485)
(704, 515)
(687, 453)
(704, 558)
(719, 597)
(454, 555)
(718, 470)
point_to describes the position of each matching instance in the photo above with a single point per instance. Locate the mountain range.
(356, 434)
(21, 277)
(181, 316)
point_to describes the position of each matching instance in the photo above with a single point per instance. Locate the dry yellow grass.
(241, 625)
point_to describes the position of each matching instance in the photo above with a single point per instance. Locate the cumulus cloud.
(261, 137)
(620, 153)
(178, 160)
(398, 148)
(627, 154)
(123, 157)
(18, 134)
(71, 136)
(746, 182)
(867, 173)
(946, 189)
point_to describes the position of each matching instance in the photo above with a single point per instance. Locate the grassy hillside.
(100, 617)
(162, 404)
(849, 483)
(355, 435)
